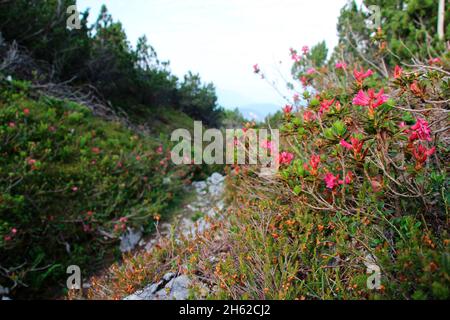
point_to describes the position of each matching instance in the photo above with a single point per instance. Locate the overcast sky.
(222, 39)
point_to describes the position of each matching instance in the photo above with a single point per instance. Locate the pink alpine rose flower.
(348, 178)
(331, 181)
(360, 75)
(341, 65)
(287, 109)
(294, 55)
(346, 145)
(421, 155)
(313, 164)
(267, 145)
(371, 99)
(310, 71)
(434, 61)
(305, 50)
(421, 130)
(304, 81)
(308, 116)
(325, 106)
(286, 157)
(398, 71)
(356, 146)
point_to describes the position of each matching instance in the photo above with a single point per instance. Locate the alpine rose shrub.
(362, 181)
(379, 151)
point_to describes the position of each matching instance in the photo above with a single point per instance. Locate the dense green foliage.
(101, 56)
(408, 30)
(363, 187)
(407, 34)
(70, 185)
(363, 182)
(363, 179)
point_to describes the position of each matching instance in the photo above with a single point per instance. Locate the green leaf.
(339, 128)
(328, 133)
(314, 102)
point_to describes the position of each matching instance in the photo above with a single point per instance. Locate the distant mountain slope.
(258, 111)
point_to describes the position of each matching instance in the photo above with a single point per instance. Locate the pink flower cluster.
(287, 109)
(285, 157)
(313, 165)
(434, 61)
(360, 75)
(11, 235)
(308, 116)
(420, 131)
(398, 71)
(268, 145)
(325, 106)
(341, 65)
(122, 225)
(421, 154)
(356, 146)
(370, 99)
(333, 181)
(294, 55)
(311, 71)
(305, 50)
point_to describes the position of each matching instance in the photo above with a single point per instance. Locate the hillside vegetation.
(71, 184)
(85, 124)
(362, 189)
(359, 208)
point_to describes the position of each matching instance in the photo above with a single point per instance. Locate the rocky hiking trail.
(207, 202)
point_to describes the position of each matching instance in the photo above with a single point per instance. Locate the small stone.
(216, 190)
(199, 185)
(168, 276)
(216, 178)
(149, 245)
(86, 285)
(145, 294)
(4, 290)
(213, 259)
(130, 239)
(176, 289)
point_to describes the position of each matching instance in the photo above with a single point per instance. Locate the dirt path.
(207, 201)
